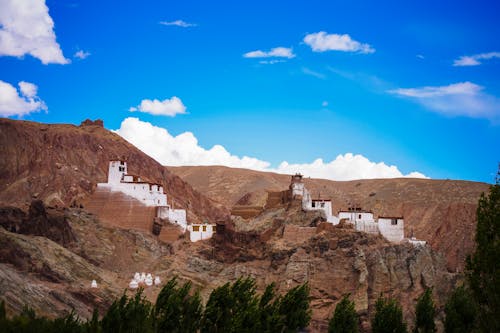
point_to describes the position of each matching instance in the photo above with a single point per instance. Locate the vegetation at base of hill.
(460, 311)
(483, 266)
(388, 317)
(425, 312)
(232, 307)
(345, 319)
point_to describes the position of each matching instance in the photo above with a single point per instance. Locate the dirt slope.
(61, 164)
(439, 211)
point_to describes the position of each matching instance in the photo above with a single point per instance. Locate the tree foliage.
(232, 307)
(388, 317)
(483, 266)
(425, 312)
(345, 319)
(176, 310)
(129, 315)
(460, 311)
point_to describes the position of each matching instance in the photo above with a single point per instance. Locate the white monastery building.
(391, 228)
(151, 194)
(199, 232)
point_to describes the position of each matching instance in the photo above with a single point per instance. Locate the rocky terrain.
(441, 212)
(54, 279)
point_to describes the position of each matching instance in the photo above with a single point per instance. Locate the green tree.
(218, 311)
(388, 317)
(460, 311)
(129, 315)
(176, 310)
(425, 312)
(294, 307)
(345, 319)
(483, 266)
(270, 319)
(232, 308)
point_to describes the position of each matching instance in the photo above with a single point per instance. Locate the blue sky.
(413, 85)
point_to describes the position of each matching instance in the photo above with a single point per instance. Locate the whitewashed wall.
(201, 234)
(393, 233)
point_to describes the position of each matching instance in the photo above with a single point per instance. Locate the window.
(322, 205)
(394, 221)
(313, 204)
(121, 169)
(359, 216)
(196, 228)
(204, 228)
(214, 229)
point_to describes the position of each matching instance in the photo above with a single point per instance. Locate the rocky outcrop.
(39, 222)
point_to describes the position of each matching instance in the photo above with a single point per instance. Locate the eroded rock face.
(333, 260)
(39, 222)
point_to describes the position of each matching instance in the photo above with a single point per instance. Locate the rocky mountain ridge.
(442, 212)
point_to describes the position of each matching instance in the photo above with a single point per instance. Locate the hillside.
(61, 164)
(53, 275)
(439, 211)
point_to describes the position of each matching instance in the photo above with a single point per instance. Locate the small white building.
(392, 228)
(150, 194)
(199, 232)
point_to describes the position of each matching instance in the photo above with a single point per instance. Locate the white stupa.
(93, 284)
(157, 280)
(133, 284)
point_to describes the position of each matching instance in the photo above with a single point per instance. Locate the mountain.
(51, 248)
(442, 212)
(61, 165)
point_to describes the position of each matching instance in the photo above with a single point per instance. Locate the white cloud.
(458, 99)
(473, 60)
(184, 149)
(27, 28)
(310, 72)
(321, 42)
(278, 52)
(80, 54)
(178, 23)
(270, 62)
(19, 103)
(345, 167)
(167, 107)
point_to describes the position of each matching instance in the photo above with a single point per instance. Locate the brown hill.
(54, 279)
(439, 211)
(61, 165)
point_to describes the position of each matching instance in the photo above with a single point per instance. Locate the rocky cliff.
(296, 248)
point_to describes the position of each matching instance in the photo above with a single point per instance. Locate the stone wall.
(296, 234)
